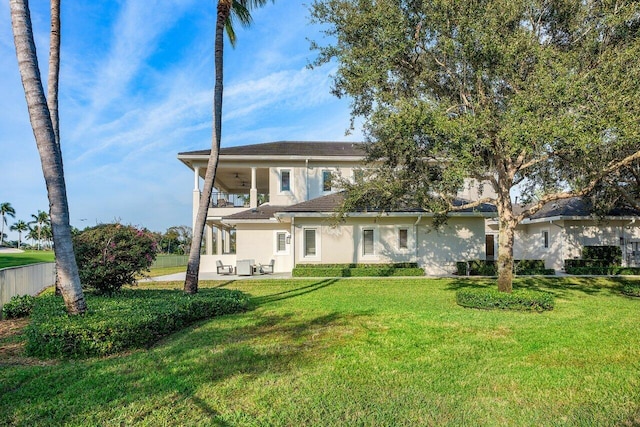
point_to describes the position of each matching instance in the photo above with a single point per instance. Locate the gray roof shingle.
(290, 148)
(577, 207)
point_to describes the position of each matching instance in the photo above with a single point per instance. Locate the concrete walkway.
(178, 277)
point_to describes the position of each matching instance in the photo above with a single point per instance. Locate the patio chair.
(268, 268)
(224, 269)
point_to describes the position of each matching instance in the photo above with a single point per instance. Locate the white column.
(208, 229)
(218, 241)
(253, 193)
(196, 195)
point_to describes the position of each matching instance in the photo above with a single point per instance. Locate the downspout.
(624, 239)
(415, 233)
(306, 181)
(293, 240)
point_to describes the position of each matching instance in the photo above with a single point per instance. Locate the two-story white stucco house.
(276, 201)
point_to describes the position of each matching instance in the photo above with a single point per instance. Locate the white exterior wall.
(460, 239)
(529, 244)
(306, 182)
(567, 238)
(258, 242)
(434, 250)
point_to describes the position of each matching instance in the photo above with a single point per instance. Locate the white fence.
(28, 279)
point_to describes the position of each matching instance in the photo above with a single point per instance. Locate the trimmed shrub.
(525, 267)
(129, 320)
(602, 271)
(18, 306)
(611, 255)
(519, 299)
(110, 256)
(357, 270)
(632, 290)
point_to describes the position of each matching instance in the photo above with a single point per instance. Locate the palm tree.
(40, 219)
(227, 9)
(5, 210)
(49, 150)
(20, 227)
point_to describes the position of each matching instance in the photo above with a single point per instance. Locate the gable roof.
(290, 148)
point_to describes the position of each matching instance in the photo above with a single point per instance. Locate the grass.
(359, 352)
(25, 258)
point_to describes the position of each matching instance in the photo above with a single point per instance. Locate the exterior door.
(490, 247)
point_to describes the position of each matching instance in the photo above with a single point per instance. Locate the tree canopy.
(534, 97)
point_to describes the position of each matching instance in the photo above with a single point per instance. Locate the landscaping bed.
(127, 320)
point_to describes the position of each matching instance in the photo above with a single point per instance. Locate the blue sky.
(136, 88)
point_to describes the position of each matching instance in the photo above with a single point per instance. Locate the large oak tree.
(537, 98)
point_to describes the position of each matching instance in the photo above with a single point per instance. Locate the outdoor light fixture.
(288, 239)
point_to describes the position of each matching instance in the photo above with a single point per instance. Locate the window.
(367, 241)
(285, 180)
(358, 175)
(310, 242)
(403, 238)
(326, 180)
(545, 238)
(281, 242)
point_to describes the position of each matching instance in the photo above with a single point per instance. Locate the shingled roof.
(329, 203)
(577, 207)
(290, 148)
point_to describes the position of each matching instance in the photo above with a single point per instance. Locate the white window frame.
(280, 189)
(376, 240)
(545, 236)
(408, 241)
(287, 246)
(303, 247)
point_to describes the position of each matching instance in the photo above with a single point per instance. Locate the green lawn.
(25, 258)
(360, 352)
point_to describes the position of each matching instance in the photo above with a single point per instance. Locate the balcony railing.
(227, 200)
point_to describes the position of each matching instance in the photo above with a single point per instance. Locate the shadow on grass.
(559, 287)
(292, 293)
(181, 375)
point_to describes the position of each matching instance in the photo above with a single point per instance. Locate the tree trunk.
(507, 225)
(193, 265)
(52, 89)
(50, 156)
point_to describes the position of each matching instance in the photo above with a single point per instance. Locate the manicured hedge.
(602, 271)
(357, 270)
(519, 299)
(586, 263)
(525, 267)
(130, 319)
(612, 255)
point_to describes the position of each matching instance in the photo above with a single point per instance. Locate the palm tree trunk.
(193, 266)
(50, 156)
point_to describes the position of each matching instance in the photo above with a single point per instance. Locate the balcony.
(222, 204)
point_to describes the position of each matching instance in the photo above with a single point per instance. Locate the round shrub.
(632, 290)
(111, 255)
(18, 306)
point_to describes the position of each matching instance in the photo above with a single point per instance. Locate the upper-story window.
(285, 180)
(327, 178)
